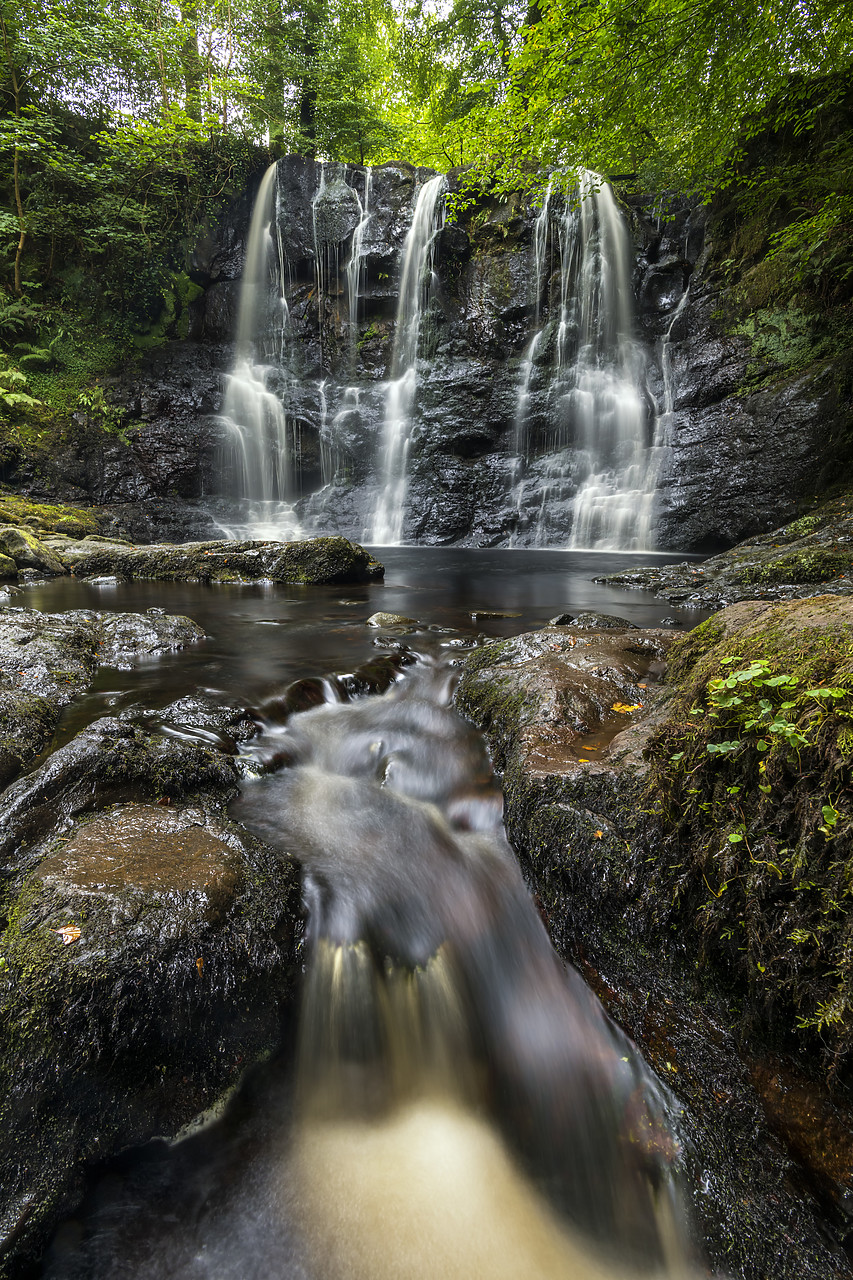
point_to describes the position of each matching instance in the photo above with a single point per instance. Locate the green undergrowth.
(751, 791)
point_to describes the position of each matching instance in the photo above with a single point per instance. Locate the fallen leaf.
(624, 707)
(642, 686)
(68, 933)
(582, 760)
(599, 834)
(199, 964)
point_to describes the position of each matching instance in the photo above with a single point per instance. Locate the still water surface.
(263, 636)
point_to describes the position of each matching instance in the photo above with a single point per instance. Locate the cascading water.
(415, 288)
(355, 269)
(263, 444)
(463, 1106)
(590, 449)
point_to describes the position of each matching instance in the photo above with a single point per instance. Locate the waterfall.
(607, 376)
(415, 289)
(589, 448)
(355, 268)
(263, 444)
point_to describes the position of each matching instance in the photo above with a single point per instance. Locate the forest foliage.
(124, 122)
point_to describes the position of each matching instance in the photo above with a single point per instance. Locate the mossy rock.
(21, 545)
(317, 560)
(751, 793)
(147, 957)
(816, 564)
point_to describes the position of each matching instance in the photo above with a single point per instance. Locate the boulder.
(316, 560)
(48, 659)
(147, 956)
(22, 546)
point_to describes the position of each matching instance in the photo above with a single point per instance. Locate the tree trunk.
(191, 60)
(19, 253)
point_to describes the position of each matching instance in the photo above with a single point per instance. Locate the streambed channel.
(447, 1099)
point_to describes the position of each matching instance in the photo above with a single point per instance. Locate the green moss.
(754, 838)
(804, 526)
(685, 653)
(812, 564)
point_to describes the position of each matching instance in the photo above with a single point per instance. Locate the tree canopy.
(120, 119)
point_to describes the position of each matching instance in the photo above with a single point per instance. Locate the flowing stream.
(458, 1103)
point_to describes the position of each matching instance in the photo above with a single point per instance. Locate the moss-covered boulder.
(48, 659)
(22, 546)
(146, 958)
(316, 560)
(752, 802)
(8, 568)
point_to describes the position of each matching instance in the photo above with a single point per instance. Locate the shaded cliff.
(743, 429)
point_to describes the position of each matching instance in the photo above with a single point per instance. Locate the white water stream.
(415, 288)
(264, 441)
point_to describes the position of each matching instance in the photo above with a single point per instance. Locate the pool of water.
(263, 636)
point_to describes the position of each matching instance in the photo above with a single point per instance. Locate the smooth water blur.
(459, 1103)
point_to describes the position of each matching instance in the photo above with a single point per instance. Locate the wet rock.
(147, 956)
(592, 622)
(48, 659)
(219, 721)
(110, 762)
(22, 546)
(391, 620)
(575, 775)
(314, 561)
(810, 556)
(129, 637)
(8, 568)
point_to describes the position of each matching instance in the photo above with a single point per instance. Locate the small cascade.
(587, 443)
(263, 444)
(463, 1105)
(355, 268)
(415, 289)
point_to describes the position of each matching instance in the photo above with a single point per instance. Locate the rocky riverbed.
(579, 725)
(150, 944)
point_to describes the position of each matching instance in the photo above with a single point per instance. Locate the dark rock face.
(736, 460)
(733, 461)
(568, 718)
